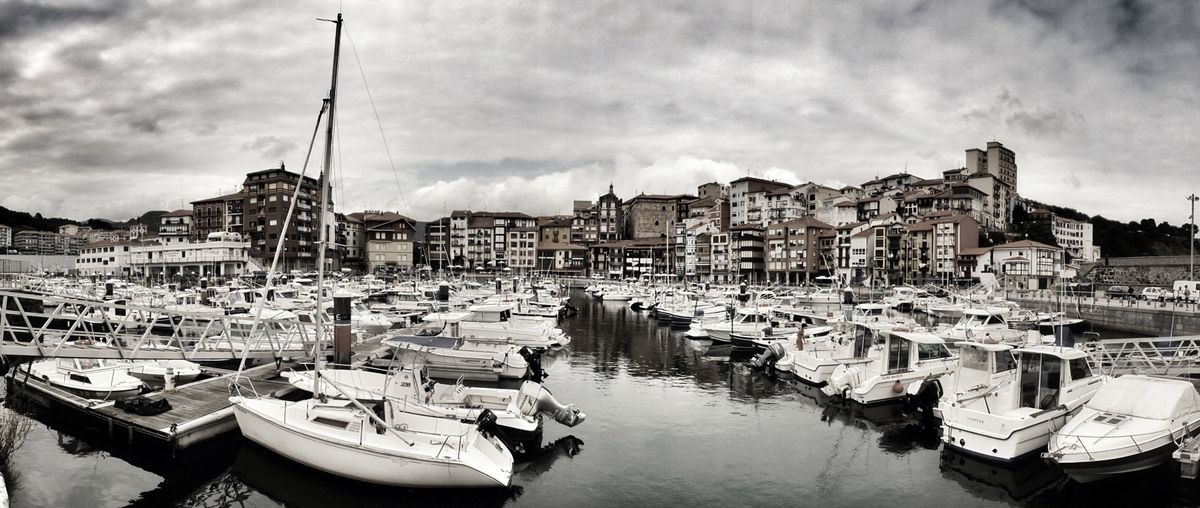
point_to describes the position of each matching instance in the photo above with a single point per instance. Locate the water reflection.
(1002, 482)
(293, 484)
(672, 420)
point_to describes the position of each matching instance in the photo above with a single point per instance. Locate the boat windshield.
(1041, 379)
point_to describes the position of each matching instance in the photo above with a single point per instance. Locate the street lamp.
(1192, 238)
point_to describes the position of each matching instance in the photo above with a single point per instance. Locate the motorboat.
(820, 296)
(982, 325)
(1062, 329)
(1132, 423)
(86, 377)
(897, 357)
(745, 320)
(495, 323)
(1008, 400)
(452, 357)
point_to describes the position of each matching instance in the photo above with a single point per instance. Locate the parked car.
(1187, 291)
(1119, 292)
(1155, 294)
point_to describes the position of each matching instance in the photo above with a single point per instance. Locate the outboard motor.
(768, 358)
(924, 398)
(534, 359)
(486, 423)
(545, 403)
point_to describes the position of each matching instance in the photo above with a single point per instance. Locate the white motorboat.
(1131, 423)
(1008, 401)
(745, 320)
(86, 377)
(820, 296)
(896, 358)
(495, 323)
(982, 325)
(451, 357)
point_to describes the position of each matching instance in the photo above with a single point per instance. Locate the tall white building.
(1076, 238)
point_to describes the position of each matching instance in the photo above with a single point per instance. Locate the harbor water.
(670, 423)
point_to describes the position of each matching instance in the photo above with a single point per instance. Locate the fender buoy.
(897, 387)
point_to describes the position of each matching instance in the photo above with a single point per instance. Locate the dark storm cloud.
(19, 17)
(532, 105)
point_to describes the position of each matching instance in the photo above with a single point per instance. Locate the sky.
(115, 107)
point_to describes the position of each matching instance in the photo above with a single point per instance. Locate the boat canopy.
(1147, 397)
(919, 338)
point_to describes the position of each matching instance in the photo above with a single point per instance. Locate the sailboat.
(346, 438)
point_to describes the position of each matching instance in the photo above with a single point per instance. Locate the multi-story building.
(268, 196)
(1074, 236)
(175, 227)
(389, 239)
(561, 258)
(711, 190)
(111, 259)
(459, 224)
(221, 255)
(6, 237)
(47, 243)
(898, 181)
(1024, 264)
(748, 199)
(649, 216)
(747, 252)
(219, 214)
(996, 160)
(522, 249)
(794, 252)
(723, 269)
(555, 229)
(437, 235)
(351, 241)
(602, 221)
(933, 248)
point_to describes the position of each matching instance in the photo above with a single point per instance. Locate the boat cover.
(1147, 397)
(429, 341)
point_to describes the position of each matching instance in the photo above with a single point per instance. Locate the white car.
(1155, 294)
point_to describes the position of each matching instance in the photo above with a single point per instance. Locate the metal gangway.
(34, 324)
(1162, 356)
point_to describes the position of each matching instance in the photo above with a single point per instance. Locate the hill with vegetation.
(1146, 237)
(20, 221)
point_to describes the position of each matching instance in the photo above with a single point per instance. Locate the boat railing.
(1132, 438)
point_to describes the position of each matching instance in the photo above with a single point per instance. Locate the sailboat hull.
(354, 462)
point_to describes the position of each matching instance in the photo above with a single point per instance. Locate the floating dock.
(200, 410)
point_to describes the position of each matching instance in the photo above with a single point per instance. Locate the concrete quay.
(1134, 316)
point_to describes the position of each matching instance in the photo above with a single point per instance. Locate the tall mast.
(325, 183)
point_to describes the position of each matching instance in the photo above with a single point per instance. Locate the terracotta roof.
(178, 213)
(851, 225)
(974, 251)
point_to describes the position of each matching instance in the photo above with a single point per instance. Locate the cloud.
(270, 147)
(530, 106)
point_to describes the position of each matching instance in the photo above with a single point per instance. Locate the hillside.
(1146, 237)
(24, 220)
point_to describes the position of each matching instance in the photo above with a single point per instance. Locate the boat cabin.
(1046, 373)
(980, 365)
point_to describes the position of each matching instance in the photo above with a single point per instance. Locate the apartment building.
(268, 196)
(218, 214)
(175, 227)
(389, 239)
(794, 252)
(748, 199)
